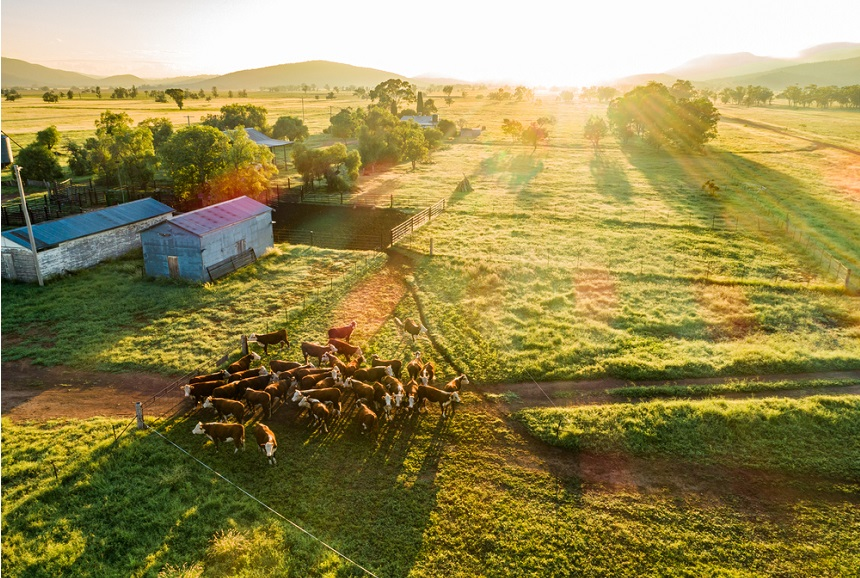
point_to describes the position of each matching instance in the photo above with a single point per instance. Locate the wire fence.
(641, 261)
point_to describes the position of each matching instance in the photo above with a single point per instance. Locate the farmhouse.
(80, 241)
(423, 121)
(208, 243)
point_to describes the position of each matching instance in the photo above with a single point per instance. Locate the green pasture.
(738, 386)
(468, 496)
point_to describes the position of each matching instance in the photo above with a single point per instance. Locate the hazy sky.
(534, 41)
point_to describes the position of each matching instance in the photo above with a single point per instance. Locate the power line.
(266, 506)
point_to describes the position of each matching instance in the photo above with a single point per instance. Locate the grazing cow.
(267, 442)
(366, 417)
(342, 332)
(276, 365)
(373, 373)
(222, 432)
(331, 378)
(331, 394)
(233, 390)
(259, 382)
(321, 411)
(218, 375)
(359, 388)
(411, 327)
(243, 363)
(346, 369)
(267, 339)
(201, 390)
(456, 383)
(247, 373)
(226, 407)
(414, 367)
(445, 399)
(261, 398)
(310, 349)
(395, 364)
(344, 348)
(277, 391)
(410, 390)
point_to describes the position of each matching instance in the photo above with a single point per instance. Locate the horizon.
(506, 45)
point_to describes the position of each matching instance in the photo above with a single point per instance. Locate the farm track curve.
(35, 393)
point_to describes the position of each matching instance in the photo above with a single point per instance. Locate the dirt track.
(41, 393)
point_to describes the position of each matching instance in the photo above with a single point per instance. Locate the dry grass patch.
(726, 310)
(596, 295)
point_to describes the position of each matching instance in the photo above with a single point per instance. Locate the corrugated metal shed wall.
(52, 233)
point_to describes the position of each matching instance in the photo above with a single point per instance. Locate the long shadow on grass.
(610, 178)
(678, 178)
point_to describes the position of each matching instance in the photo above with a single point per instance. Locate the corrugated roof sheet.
(212, 218)
(264, 140)
(52, 233)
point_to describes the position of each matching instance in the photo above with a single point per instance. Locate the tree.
(339, 167)
(392, 93)
(177, 94)
(70, 95)
(430, 107)
(110, 123)
(51, 96)
(193, 156)
(447, 90)
(247, 169)
(419, 107)
(161, 129)
(346, 123)
(291, 128)
(652, 113)
(595, 129)
(682, 90)
(234, 115)
(413, 144)
(523, 93)
(48, 137)
(38, 163)
(534, 134)
(512, 128)
(99, 91)
(214, 92)
(79, 162)
(12, 95)
(447, 128)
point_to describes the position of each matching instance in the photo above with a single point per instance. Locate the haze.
(538, 43)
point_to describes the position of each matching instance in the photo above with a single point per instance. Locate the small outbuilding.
(269, 142)
(208, 243)
(424, 121)
(79, 241)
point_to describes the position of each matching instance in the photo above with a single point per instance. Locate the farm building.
(423, 121)
(80, 241)
(208, 243)
(269, 142)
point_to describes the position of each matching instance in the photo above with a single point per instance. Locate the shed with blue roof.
(208, 243)
(79, 241)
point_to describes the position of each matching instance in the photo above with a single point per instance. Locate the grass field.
(465, 497)
(562, 263)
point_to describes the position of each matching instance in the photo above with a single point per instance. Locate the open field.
(562, 263)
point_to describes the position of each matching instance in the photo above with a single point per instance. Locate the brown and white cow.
(445, 399)
(222, 432)
(366, 417)
(344, 348)
(457, 383)
(201, 390)
(267, 442)
(311, 349)
(218, 375)
(261, 398)
(267, 339)
(342, 332)
(243, 362)
(226, 408)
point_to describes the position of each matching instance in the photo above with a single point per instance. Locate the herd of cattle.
(320, 390)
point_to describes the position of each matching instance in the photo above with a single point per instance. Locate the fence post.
(431, 254)
(847, 279)
(392, 201)
(138, 410)
(244, 344)
(312, 238)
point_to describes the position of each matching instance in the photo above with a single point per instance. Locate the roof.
(421, 120)
(264, 140)
(209, 219)
(52, 233)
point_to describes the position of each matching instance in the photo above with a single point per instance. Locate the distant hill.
(318, 72)
(833, 72)
(18, 73)
(724, 65)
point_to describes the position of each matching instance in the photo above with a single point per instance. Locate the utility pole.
(9, 160)
(189, 119)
